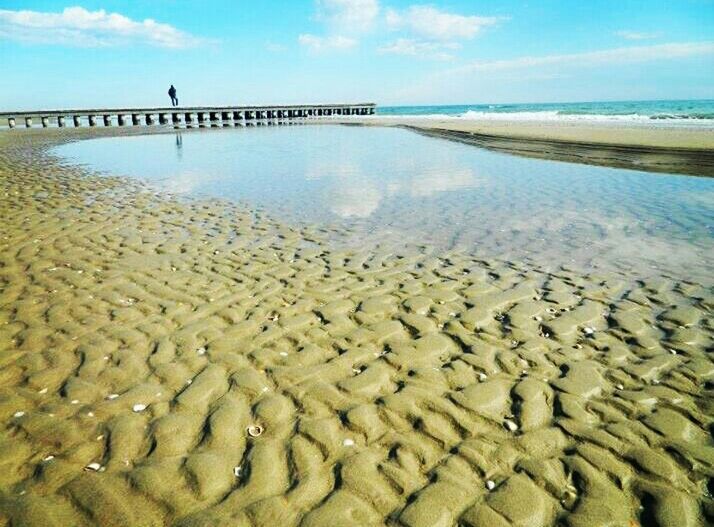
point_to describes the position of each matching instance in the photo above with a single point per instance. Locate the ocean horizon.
(696, 113)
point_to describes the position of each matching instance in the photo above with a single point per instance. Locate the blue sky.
(81, 53)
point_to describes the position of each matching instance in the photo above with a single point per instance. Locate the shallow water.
(393, 186)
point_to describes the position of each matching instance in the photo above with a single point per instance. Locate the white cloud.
(636, 35)
(429, 22)
(627, 55)
(77, 26)
(420, 48)
(348, 16)
(318, 44)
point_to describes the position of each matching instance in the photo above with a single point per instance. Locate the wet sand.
(193, 363)
(655, 149)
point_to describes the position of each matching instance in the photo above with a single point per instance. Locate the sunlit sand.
(195, 362)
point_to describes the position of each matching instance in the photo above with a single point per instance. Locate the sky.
(109, 53)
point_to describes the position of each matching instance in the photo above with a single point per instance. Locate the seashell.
(48, 458)
(620, 387)
(18, 414)
(510, 425)
(43, 391)
(482, 376)
(490, 485)
(236, 471)
(201, 350)
(74, 401)
(112, 396)
(93, 467)
(254, 430)
(139, 407)
(588, 330)
(348, 442)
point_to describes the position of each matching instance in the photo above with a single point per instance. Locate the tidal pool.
(398, 188)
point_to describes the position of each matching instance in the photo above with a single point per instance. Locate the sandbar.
(676, 150)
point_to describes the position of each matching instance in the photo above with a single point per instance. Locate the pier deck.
(188, 116)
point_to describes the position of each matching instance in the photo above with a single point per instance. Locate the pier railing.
(187, 116)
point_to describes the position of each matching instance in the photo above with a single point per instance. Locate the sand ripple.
(195, 364)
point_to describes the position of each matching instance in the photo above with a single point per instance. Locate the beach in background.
(655, 136)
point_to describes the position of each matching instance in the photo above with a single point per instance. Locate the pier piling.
(189, 117)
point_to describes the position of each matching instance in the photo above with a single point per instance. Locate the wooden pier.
(188, 116)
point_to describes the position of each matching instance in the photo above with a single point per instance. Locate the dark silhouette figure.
(172, 94)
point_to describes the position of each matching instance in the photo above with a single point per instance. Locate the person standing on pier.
(172, 94)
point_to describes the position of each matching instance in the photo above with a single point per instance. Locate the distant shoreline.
(665, 150)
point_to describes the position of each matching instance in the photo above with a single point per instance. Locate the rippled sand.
(165, 362)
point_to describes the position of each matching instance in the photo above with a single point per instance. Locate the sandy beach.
(677, 150)
(193, 362)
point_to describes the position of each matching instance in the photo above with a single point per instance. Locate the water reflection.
(391, 185)
(179, 146)
(351, 201)
(352, 192)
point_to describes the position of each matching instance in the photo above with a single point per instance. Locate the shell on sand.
(254, 430)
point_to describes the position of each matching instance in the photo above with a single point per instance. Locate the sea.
(686, 113)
